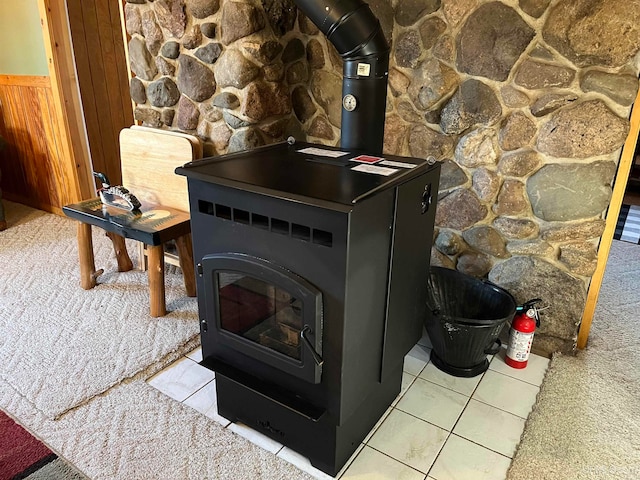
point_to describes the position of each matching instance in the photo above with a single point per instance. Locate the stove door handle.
(303, 335)
(426, 199)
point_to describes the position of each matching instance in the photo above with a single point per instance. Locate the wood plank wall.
(31, 161)
(99, 53)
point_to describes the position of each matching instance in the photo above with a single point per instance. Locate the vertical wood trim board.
(68, 83)
(125, 49)
(622, 176)
(67, 181)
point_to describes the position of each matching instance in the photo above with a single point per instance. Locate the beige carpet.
(134, 432)
(54, 331)
(120, 428)
(586, 421)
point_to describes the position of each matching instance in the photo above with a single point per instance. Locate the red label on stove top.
(367, 159)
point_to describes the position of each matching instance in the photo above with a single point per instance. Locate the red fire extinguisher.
(521, 334)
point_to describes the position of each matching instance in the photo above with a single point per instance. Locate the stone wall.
(524, 101)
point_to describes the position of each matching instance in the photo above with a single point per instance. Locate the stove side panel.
(370, 229)
(409, 266)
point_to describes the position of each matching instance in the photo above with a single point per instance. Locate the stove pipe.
(356, 33)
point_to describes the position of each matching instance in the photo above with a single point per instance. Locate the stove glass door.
(264, 311)
(260, 312)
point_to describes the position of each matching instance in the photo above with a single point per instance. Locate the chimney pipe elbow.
(349, 25)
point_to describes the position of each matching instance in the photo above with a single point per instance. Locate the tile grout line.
(448, 388)
(483, 446)
(519, 379)
(439, 452)
(400, 461)
(456, 422)
(449, 432)
(503, 410)
(467, 404)
(484, 403)
(192, 394)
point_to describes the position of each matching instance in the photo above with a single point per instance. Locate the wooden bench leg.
(156, 281)
(185, 257)
(88, 273)
(142, 257)
(124, 262)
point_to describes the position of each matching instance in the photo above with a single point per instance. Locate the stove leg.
(185, 257)
(88, 273)
(156, 281)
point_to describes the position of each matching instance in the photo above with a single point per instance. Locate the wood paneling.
(31, 163)
(96, 31)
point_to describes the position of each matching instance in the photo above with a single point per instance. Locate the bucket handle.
(494, 347)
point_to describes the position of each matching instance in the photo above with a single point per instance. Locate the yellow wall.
(22, 51)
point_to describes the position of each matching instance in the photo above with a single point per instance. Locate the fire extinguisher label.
(519, 345)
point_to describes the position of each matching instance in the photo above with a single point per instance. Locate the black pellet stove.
(313, 261)
(311, 285)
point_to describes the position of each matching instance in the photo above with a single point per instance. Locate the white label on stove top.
(322, 152)
(375, 169)
(390, 163)
(364, 69)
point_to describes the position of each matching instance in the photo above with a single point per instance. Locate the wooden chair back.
(149, 157)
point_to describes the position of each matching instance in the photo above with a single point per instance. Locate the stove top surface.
(307, 172)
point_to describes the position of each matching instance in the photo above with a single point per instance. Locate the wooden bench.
(152, 225)
(149, 158)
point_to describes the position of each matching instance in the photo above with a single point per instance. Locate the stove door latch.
(426, 199)
(305, 339)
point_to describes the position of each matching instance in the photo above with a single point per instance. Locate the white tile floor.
(439, 428)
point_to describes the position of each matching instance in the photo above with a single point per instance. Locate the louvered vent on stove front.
(275, 225)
